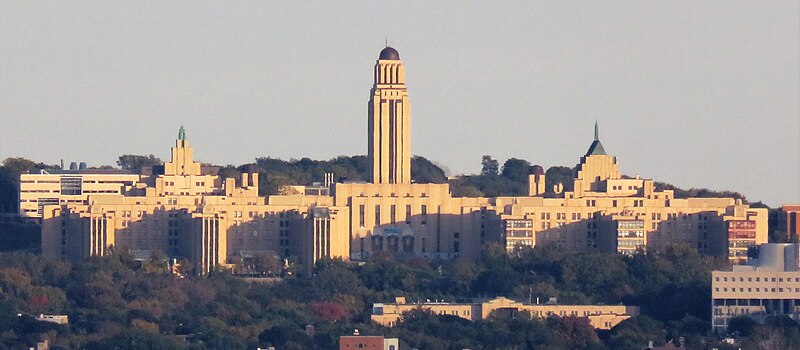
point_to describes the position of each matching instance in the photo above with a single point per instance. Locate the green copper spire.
(181, 134)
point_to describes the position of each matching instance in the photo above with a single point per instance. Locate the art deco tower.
(389, 124)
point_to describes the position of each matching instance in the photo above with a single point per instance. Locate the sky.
(693, 93)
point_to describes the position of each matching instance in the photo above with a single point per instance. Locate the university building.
(209, 221)
(608, 212)
(767, 285)
(190, 213)
(599, 316)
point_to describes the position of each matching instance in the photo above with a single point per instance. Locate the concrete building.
(375, 342)
(769, 284)
(188, 211)
(58, 319)
(389, 121)
(599, 316)
(792, 214)
(68, 187)
(203, 218)
(609, 212)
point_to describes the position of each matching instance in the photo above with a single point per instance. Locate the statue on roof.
(181, 134)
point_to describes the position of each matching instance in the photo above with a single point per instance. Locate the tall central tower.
(389, 121)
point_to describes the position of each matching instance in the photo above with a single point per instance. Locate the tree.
(12, 168)
(573, 332)
(743, 325)
(280, 335)
(489, 166)
(330, 312)
(635, 332)
(559, 175)
(516, 170)
(134, 163)
(424, 171)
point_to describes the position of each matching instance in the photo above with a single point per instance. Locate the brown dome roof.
(389, 53)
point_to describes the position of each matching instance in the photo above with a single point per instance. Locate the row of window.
(394, 195)
(757, 289)
(758, 279)
(423, 212)
(172, 183)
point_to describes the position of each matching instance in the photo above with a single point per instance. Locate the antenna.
(385, 42)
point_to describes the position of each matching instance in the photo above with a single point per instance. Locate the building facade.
(389, 121)
(374, 342)
(209, 221)
(192, 214)
(63, 187)
(769, 284)
(792, 214)
(599, 316)
(608, 212)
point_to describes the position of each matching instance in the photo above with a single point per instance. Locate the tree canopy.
(113, 302)
(134, 163)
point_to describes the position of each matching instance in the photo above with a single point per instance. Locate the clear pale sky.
(694, 93)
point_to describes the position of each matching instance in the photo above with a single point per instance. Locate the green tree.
(559, 175)
(743, 325)
(516, 170)
(424, 171)
(489, 166)
(635, 332)
(134, 163)
(12, 168)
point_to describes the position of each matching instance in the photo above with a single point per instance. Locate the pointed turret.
(596, 148)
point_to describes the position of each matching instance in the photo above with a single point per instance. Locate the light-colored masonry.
(188, 212)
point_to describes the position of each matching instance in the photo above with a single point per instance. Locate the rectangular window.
(408, 214)
(424, 214)
(393, 214)
(361, 210)
(377, 215)
(71, 185)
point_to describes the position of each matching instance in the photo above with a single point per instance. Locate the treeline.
(114, 302)
(510, 179)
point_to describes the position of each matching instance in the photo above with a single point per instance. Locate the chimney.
(230, 186)
(254, 180)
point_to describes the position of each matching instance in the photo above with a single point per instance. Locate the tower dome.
(389, 53)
